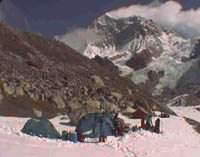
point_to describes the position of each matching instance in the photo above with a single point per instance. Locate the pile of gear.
(149, 124)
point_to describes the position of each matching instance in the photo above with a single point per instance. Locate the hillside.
(42, 76)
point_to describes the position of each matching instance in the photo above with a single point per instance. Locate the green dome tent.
(40, 127)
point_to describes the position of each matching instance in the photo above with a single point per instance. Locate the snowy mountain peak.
(137, 45)
(106, 22)
(130, 35)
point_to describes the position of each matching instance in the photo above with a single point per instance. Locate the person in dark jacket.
(103, 122)
(142, 123)
(157, 126)
(118, 126)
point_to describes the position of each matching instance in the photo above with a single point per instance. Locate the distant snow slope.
(189, 112)
(178, 140)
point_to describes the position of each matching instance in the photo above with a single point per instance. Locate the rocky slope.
(44, 77)
(147, 53)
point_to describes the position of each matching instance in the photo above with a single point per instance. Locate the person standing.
(149, 124)
(157, 126)
(118, 126)
(142, 123)
(103, 121)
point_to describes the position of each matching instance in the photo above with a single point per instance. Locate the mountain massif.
(163, 62)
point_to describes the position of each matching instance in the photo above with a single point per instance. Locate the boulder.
(85, 89)
(97, 80)
(74, 105)
(58, 101)
(128, 110)
(9, 89)
(110, 107)
(116, 95)
(19, 91)
(76, 115)
(130, 91)
(94, 104)
(37, 112)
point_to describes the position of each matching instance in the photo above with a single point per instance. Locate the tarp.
(140, 113)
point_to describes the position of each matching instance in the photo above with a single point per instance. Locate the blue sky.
(50, 17)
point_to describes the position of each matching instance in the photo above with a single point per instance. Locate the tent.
(140, 113)
(90, 127)
(40, 127)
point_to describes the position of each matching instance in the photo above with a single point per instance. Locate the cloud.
(169, 14)
(78, 38)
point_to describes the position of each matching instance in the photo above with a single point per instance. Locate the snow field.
(177, 140)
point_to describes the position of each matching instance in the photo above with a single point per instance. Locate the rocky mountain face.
(43, 77)
(147, 53)
(106, 63)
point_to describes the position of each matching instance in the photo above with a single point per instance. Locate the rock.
(8, 89)
(25, 85)
(76, 115)
(130, 91)
(85, 89)
(128, 110)
(58, 101)
(94, 104)
(74, 104)
(42, 97)
(118, 96)
(111, 99)
(19, 91)
(31, 95)
(103, 91)
(192, 100)
(37, 112)
(1, 96)
(110, 107)
(97, 80)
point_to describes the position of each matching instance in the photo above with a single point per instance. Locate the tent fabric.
(40, 127)
(89, 126)
(140, 113)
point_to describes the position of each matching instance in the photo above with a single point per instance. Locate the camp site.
(99, 78)
(40, 134)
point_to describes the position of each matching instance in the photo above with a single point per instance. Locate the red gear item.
(81, 137)
(102, 139)
(120, 130)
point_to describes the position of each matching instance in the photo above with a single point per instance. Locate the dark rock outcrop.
(106, 63)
